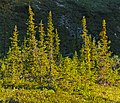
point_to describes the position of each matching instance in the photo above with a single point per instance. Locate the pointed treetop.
(50, 17)
(75, 53)
(57, 42)
(30, 10)
(57, 36)
(14, 39)
(104, 25)
(104, 22)
(41, 23)
(56, 31)
(50, 13)
(15, 28)
(84, 20)
(84, 24)
(50, 23)
(41, 28)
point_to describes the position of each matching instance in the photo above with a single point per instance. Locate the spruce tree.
(94, 56)
(13, 63)
(86, 49)
(56, 45)
(24, 49)
(75, 60)
(31, 53)
(69, 78)
(42, 57)
(104, 54)
(50, 46)
(50, 37)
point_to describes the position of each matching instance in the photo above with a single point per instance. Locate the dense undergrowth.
(36, 72)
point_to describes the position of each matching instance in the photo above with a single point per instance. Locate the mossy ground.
(95, 94)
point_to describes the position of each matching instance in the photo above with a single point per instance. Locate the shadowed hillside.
(67, 16)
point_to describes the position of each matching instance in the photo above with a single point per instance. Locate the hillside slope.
(67, 16)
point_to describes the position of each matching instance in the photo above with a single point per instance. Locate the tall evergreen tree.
(50, 37)
(86, 49)
(13, 63)
(94, 55)
(104, 54)
(50, 46)
(42, 57)
(31, 52)
(56, 45)
(69, 78)
(75, 61)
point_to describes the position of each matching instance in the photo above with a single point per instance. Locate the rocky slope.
(67, 15)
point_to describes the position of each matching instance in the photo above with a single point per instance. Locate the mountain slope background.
(67, 15)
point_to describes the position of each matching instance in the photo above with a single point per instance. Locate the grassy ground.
(95, 94)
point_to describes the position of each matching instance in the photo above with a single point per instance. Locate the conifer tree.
(86, 49)
(24, 48)
(41, 37)
(13, 62)
(24, 55)
(31, 29)
(42, 58)
(94, 55)
(57, 44)
(104, 54)
(50, 37)
(31, 61)
(75, 60)
(50, 46)
(68, 77)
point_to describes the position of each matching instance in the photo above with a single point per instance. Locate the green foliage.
(43, 56)
(31, 51)
(12, 65)
(88, 55)
(104, 55)
(50, 37)
(57, 44)
(36, 72)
